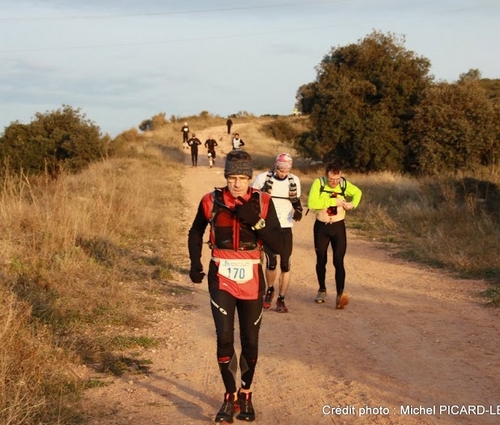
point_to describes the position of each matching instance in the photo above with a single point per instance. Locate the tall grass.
(87, 250)
(444, 221)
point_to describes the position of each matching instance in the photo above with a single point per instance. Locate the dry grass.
(433, 220)
(87, 250)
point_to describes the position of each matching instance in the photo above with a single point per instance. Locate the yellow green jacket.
(320, 198)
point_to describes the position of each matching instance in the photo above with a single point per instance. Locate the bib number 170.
(238, 270)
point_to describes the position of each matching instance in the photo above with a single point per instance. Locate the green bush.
(52, 142)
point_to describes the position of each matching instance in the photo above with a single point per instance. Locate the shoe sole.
(237, 411)
(246, 418)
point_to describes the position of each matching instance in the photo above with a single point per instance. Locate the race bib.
(239, 271)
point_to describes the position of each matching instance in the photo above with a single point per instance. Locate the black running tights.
(324, 235)
(224, 306)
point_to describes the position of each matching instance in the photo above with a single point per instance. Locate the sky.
(122, 61)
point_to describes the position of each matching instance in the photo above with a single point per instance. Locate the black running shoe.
(280, 305)
(226, 412)
(247, 413)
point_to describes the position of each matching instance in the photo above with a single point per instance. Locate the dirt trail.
(412, 342)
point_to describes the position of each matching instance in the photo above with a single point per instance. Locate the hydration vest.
(230, 239)
(342, 184)
(292, 186)
(227, 232)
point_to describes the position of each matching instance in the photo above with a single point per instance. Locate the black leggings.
(224, 306)
(194, 156)
(324, 234)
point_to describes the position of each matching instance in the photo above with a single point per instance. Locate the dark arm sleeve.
(297, 205)
(271, 235)
(195, 237)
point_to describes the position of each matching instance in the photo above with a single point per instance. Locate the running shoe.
(247, 413)
(321, 297)
(342, 301)
(268, 297)
(226, 412)
(280, 305)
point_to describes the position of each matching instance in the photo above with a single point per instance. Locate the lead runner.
(241, 220)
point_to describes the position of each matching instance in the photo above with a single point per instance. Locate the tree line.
(374, 107)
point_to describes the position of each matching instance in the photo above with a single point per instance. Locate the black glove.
(196, 273)
(297, 215)
(247, 212)
(297, 210)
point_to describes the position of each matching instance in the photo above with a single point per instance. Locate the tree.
(305, 98)
(61, 139)
(455, 127)
(362, 100)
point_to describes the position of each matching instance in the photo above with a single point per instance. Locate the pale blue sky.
(123, 61)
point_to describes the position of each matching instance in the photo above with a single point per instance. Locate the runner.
(193, 143)
(241, 219)
(237, 143)
(210, 145)
(185, 135)
(328, 198)
(285, 189)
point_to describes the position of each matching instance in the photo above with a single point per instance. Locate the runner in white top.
(237, 143)
(285, 190)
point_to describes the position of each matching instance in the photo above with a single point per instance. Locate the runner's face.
(281, 173)
(238, 185)
(333, 178)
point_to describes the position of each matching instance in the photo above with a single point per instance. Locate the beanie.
(283, 162)
(238, 163)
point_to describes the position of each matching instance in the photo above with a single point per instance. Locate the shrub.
(53, 141)
(282, 130)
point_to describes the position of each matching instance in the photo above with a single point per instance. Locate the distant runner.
(210, 145)
(237, 143)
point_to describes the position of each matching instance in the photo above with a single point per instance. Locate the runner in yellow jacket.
(330, 197)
